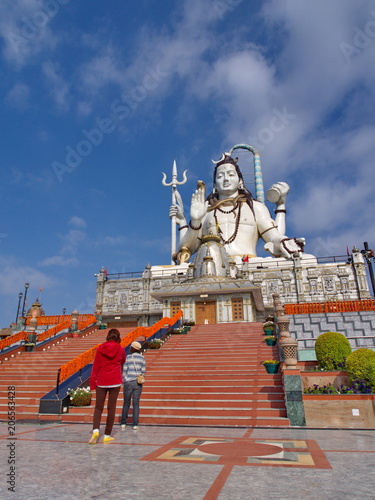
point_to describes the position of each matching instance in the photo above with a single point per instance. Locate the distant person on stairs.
(106, 377)
(135, 365)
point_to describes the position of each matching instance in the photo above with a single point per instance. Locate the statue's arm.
(277, 194)
(191, 239)
(176, 212)
(277, 243)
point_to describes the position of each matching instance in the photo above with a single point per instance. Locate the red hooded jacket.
(107, 367)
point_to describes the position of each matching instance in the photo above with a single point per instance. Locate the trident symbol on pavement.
(176, 200)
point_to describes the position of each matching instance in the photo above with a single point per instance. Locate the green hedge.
(332, 349)
(360, 365)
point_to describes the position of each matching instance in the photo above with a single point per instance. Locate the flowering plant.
(271, 362)
(155, 344)
(177, 330)
(357, 387)
(323, 368)
(268, 324)
(81, 396)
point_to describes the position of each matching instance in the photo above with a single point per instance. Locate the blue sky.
(98, 98)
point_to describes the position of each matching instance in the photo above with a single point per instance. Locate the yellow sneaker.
(108, 439)
(94, 438)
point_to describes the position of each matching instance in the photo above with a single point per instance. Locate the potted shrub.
(80, 396)
(188, 324)
(154, 344)
(271, 365)
(178, 331)
(31, 342)
(270, 340)
(29, 346)
(268, 327)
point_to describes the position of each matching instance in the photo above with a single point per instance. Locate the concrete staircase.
(33, 374)
(210, 377)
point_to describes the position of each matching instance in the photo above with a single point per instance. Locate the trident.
(175, 196)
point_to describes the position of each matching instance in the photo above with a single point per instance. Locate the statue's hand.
(277, 193)
(286, 247)
(289, 246)
(199, 205)
(175, 211)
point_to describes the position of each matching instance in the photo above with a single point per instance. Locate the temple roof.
(211, 285)
(37, 309)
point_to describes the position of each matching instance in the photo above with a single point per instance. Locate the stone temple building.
(140, 299)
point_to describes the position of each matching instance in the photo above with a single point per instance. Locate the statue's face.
(227, 180)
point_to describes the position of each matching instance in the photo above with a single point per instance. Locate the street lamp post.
(368, 254)
(20, 295)
(24, 299)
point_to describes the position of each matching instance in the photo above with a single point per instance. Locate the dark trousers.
(132, 390)
(101, 393)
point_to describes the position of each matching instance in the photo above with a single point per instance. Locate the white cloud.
(19, 96)
(59, 260)
(72, 240)
(77, 222)
(84, 108)
(176, 53)
(42, 179)
(26, 32)
(72, 243)
(57, 86)
(101, 70)
(15, 274)
(113, 241)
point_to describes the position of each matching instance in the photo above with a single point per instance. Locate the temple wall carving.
(296, 281)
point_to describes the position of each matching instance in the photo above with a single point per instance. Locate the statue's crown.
(225, 158)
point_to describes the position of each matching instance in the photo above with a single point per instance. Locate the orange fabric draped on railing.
(87, 357)
(87, 322)
(52, 331)
(55, 320)
(17, 337)
(13, 339)
(330, 307)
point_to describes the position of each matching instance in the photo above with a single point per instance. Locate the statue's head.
(228, 179)
(227, 182)
(226, 159)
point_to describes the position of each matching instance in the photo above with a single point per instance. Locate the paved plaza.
(54, 461)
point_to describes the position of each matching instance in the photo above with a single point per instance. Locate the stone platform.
(54, 461)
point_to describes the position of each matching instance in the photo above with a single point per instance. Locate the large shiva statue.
(230, 220)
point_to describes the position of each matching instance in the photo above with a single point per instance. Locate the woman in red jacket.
(106, 377)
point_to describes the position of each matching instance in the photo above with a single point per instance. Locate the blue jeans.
(131, 390)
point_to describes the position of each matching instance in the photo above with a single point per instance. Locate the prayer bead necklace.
(236, 216)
